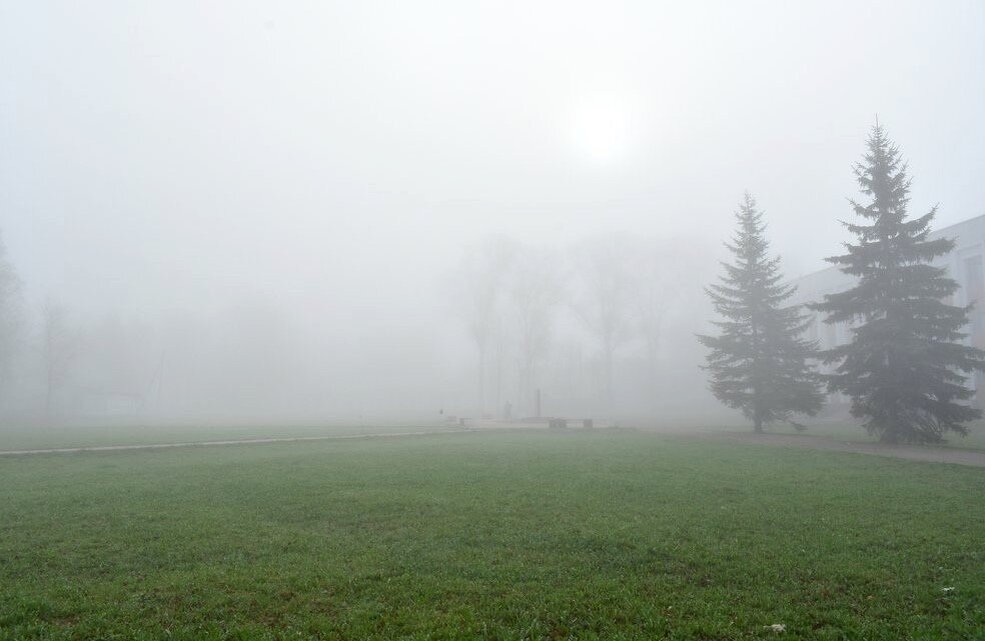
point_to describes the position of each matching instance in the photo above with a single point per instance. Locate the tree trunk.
(607, 365)
(49, 388)
(482, 382)
(757, 408)
(651, 373)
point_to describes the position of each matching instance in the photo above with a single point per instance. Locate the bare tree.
(602, 299)
(58, 347)
(502, 345)
(10, 313)
(660, 278)
(482, 279)
(535, 294)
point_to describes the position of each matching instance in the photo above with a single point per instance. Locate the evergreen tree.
(904, 367)
(759, 362)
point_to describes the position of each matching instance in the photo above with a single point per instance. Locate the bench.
(561, 423)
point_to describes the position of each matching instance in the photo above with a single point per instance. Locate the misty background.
(250, 211)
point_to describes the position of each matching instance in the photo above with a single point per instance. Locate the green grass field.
(520, 535)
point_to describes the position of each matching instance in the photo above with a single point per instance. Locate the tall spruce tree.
(905, 367)
(760, 361)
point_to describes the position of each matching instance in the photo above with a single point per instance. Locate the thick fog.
(253, 211)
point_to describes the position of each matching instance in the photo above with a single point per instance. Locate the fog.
(249, 211)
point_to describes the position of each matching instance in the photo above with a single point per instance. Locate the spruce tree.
(905, 367)
(760, 361)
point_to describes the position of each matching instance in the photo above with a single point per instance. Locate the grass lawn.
(521, 535)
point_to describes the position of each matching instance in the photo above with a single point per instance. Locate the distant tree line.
(585, 321)
(58, 365)
(905, 368)
(563, 320)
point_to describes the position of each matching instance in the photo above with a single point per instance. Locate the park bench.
(561, 423)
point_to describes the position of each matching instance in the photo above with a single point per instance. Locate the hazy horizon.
(316, 171)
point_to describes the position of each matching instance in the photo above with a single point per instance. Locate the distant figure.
(508, 411)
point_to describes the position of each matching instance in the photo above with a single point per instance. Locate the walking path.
(926, 453)
(244, 441)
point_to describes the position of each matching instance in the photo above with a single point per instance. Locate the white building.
(965, 264)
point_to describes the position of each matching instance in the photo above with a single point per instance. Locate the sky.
(169, 155)
(336, 158)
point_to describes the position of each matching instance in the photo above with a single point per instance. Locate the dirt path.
(927, 454)
(244, 441)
